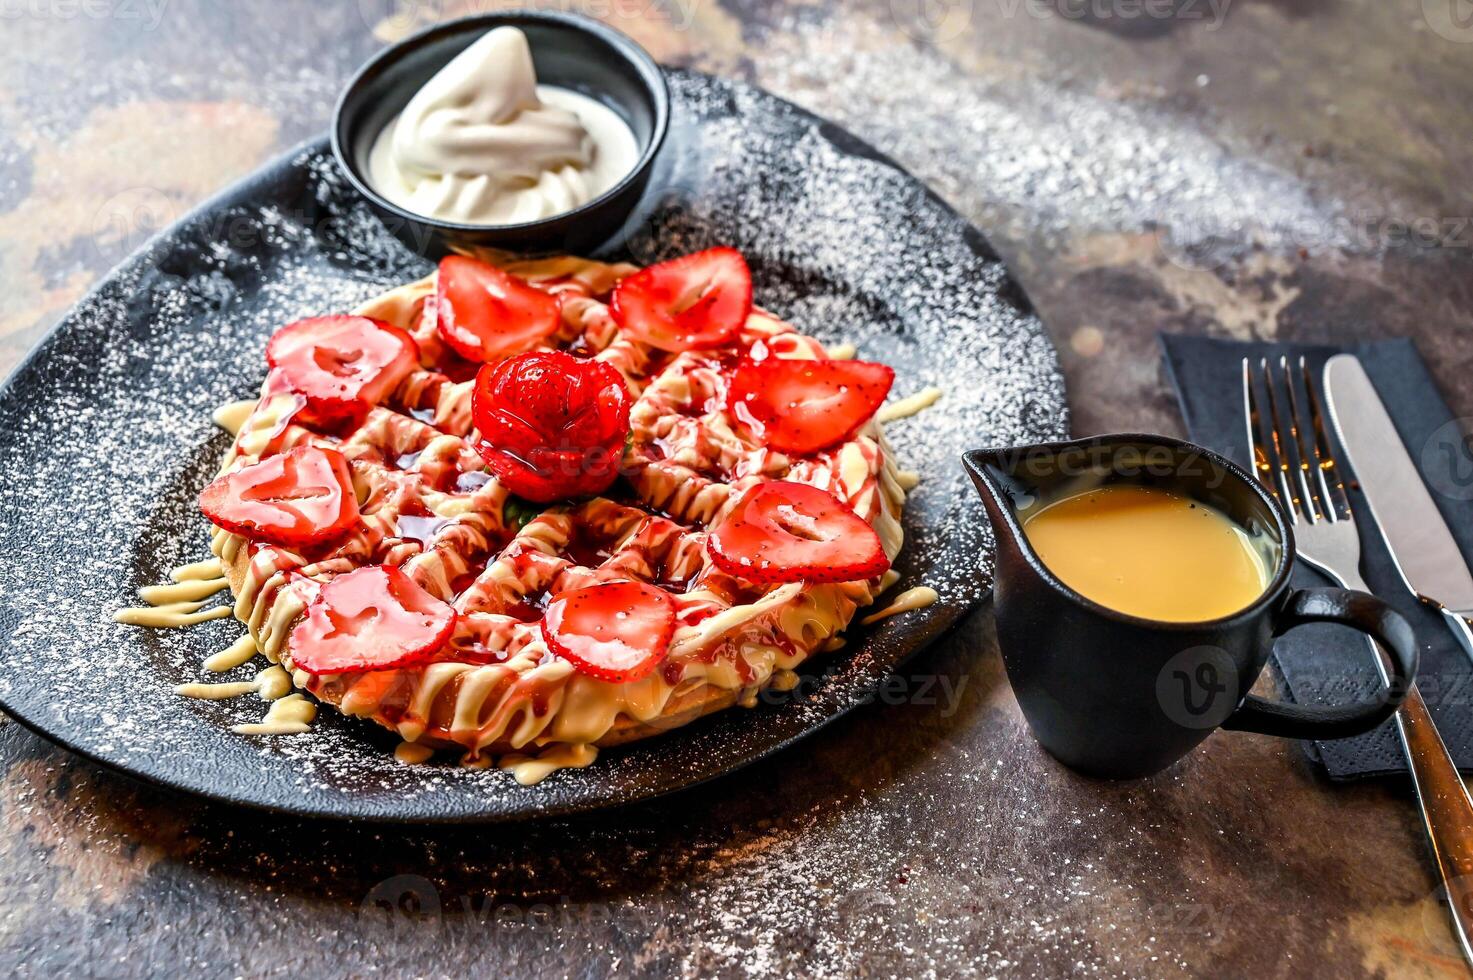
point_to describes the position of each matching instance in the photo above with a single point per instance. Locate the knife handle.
(1447, 809)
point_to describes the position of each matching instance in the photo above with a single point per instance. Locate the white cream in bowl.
(483, 144)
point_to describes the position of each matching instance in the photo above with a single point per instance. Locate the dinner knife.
(1433, 569)
(1422, 548)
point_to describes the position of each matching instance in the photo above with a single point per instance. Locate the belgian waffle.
(429, 506)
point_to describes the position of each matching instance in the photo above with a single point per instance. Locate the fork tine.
(1308, 453)
(1280, 441)
(1327, 469)
(1258, 454)
(1266, 463)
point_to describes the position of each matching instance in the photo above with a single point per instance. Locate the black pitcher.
(1116, 695)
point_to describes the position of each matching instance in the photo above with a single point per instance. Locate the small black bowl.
(568, 51)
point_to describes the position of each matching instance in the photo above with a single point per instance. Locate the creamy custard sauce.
(178, 604)
(233, 656)
(531, 770)
(1149, 552)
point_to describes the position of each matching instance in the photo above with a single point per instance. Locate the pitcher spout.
(989, 474)
(1014, 479)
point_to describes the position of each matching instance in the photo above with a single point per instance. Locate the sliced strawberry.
(372, 618)
(300, 497)
(791, 532)
(551, 425)
(616, 632)
(341, 364)
(802, 406)
(692, 302)
(486, 314)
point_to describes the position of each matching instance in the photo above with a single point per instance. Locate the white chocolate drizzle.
(186, 591)
(291, 715)
(232, 415)
(531, 770)
(215, 692)
(271, 684)
(232, 656)
(195, 571)
(178, 603)
(412, 753)
(917, 598)
(170, 615)
(907, 407)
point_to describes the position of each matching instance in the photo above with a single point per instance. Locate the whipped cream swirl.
(482, 143)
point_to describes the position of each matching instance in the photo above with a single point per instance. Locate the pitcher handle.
(1360, 611)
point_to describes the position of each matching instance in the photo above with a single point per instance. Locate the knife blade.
(1422, 548)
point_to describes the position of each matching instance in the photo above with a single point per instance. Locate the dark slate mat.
(1326, 664)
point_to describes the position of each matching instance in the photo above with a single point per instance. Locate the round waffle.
(429, 506)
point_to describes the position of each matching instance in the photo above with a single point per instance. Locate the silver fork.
(1298, 466)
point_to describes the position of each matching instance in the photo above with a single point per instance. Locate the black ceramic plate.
(105, 439)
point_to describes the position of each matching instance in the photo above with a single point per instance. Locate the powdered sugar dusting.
(108, 439)
(1061, 161)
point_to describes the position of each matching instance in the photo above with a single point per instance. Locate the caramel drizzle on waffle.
(429, 507)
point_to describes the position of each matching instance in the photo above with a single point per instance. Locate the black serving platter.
(105, 440)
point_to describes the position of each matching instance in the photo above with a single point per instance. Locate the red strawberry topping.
(300, 497)
(341, 364)
(486, 314)
(695, 301)
(372, 618)
(616, 632)
(802, 406)
(551, 425)
(791, 532)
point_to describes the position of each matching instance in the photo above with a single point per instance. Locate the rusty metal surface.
(1244, 168)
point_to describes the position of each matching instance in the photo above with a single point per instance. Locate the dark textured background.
(1293, 169)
